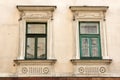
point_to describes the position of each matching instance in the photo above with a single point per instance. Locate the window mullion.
(36, 42)
(90, 47)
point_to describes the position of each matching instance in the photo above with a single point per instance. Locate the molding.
(35, 8)
(74, 61)
(89, 8)
(48, 61)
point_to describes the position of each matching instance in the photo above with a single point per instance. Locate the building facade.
(60, 39)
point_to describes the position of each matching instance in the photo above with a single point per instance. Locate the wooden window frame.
(36, 36)
(89, 36)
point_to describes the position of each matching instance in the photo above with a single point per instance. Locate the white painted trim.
(22, 39)
(29, 14)
(77, 40)
(96, 15)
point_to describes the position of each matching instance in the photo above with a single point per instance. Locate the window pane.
(85, 47)
(41, 48)
(89, 28)
(94, 44)
(30, 47)
(37, 28)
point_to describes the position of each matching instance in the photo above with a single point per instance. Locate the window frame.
(36, 36)
(89, 36)
(33, 13)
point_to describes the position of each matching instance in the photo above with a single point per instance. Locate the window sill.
(76, 61)
(22, 61)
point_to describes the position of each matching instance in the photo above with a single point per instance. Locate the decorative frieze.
(91, 67)
(87, 14)
(36, 15)
(35, 67)
(35, 70)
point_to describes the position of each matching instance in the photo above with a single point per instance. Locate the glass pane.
(41, 48)
(94, 44)
(89, 28)
(85, 42)
(37, 28)
(30, 47)
(85, 47)
(85, 52)
(95, 52)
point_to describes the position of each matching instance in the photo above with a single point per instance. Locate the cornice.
(35, 8)
(89, 8)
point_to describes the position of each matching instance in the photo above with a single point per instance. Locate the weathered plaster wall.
(63, 37)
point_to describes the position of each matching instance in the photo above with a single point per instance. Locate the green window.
(89, 34)
(36, 40)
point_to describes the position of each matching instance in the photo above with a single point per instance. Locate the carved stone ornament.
(88, 12)
(91, 67)
(37, 15)
(102, 69)
(88, 15)
(36, 12)
(35, 70)
(35, 67)
(81, 69)
(46, 70)
(24, 70)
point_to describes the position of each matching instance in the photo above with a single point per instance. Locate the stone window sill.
(48, 61)
(104, 61)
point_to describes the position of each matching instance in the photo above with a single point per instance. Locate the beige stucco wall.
(63, 36)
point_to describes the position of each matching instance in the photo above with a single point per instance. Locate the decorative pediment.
(89, 12)
(36, 12)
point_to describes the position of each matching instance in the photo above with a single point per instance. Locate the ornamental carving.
(35, 70)
(45, 70)
(102, 69)
(37, 15)
(81, 69)
(24, 70)
(91, 70)
(88, 15)
(35, 67)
